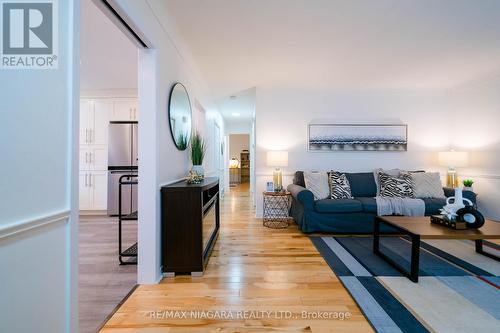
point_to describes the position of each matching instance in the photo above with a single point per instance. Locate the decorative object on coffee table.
(277, 159)
(417, 228)
(468, 184)
(453, 159)
(198, 149)
(472, 217)
(444, 221)
(275, 209)
(451, 208)
(358, 137)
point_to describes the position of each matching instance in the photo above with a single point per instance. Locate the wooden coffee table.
(417, 228)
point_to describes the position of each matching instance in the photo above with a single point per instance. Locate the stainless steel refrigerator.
(122, 160)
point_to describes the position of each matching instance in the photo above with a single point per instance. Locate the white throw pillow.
(427, 185)
(392, 172)
(317, 182)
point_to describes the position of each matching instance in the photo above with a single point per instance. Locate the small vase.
(198, 169)
(468, 188)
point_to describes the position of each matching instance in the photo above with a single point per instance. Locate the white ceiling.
(108, 57)
(329, 44)
(238, 107)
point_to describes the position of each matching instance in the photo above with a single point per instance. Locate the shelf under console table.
(190, 216)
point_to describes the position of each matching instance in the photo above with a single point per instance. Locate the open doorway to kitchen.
(108, 166)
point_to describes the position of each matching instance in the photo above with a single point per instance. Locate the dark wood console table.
(190, 225)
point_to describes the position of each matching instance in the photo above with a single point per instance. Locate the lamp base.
(278, 180)
(452, 179)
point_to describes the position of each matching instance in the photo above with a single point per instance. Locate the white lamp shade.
(454, 159)
(277, 158)
(234, 163)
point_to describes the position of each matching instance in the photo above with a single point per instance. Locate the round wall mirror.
(179, 115)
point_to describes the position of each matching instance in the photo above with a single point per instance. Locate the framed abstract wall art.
(357, 137)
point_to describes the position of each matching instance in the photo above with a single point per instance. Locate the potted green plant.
(198, 149)
(182, 141)
(468, 184)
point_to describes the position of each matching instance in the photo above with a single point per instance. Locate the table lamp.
(234, 163)
(452, 160)
(277, 159)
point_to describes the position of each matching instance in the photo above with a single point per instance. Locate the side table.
(276, 207)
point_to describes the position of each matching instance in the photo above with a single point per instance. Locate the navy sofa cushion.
(432, 206)
(362, 184)
(338, 206)
(369, 204)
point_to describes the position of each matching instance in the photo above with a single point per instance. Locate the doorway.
(239, 162)
(109, 116)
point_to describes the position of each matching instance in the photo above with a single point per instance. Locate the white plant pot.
(468, 188)
(198, 169)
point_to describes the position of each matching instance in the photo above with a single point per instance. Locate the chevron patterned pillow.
(427, 185)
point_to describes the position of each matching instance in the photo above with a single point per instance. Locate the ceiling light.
(235, 114)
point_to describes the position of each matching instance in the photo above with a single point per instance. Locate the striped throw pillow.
(339, 185)
(401, 187)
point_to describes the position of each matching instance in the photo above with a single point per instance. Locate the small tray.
(441, 220)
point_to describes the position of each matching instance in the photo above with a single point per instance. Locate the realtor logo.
(29, 34)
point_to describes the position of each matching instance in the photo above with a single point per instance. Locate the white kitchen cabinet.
(84, 197)
(86, 119)
(93, 157)
(94, 120)
(125, 109)
(99, 185)
(93, 190)
(95, 115)
(99, 158)
(103, 109)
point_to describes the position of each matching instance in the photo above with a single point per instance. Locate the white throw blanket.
(400, 206)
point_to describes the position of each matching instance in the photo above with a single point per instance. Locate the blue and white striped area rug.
(458, 289)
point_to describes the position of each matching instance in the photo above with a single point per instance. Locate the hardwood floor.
(252, 269)
(103, 283)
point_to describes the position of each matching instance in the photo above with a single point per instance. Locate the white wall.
(436, 121)
(108, 57)
(160, 161)
(476, 106)
(239, 127)
(39, 190)
(238, 143)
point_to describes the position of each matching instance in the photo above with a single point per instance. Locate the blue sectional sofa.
(349, 216)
